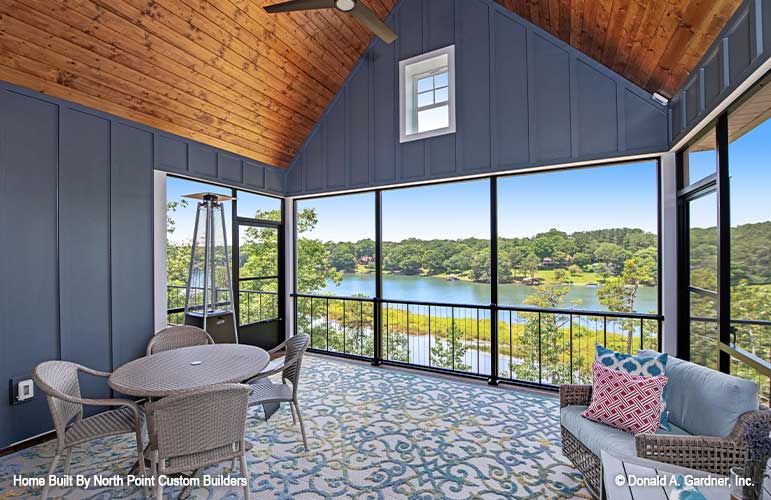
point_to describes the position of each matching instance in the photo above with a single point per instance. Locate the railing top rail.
(261, 292)
(752, 322)
(437, 304)
(488, 307)
(581, 312)
(332, 297)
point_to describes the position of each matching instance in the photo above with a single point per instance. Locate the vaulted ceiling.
(227, 74)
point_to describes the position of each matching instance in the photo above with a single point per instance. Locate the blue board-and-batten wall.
(524, 99)
(76, 226)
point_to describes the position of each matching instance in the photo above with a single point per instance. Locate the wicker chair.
(174, 337)
(59, 381)
(289, 367)
(705, 453)
(196, 429)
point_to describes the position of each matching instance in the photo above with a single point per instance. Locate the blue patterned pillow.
(681, 491)
(644, 366)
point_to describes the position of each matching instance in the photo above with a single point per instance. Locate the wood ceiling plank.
(291, 32)
(122, 94)
(627, 37)
(330, 74)
(23, 39)
(618, 15)
(256, 49)
(564, 20)
(534, 10)
(190, 36)
(688, 23)
(122, 63)
(601, 23)
(194, 66)
(645, 33)
(576, 22)
(119, 58)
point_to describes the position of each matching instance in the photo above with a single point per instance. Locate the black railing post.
(724, 242)
(378, 304)
(493, 281)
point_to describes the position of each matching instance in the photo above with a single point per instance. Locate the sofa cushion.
(597, 436)
(703, 401)
(594, 435)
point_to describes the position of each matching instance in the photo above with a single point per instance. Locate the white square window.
(427, 95)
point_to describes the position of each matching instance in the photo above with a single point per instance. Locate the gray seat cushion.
(597, 436)
(703, 401)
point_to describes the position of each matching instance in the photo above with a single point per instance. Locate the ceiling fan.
(355, 7)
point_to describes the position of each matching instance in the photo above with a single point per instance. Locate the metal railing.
(255, 305)
(750, 349)
(544, 347)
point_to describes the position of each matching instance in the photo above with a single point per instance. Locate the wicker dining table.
(188, 368)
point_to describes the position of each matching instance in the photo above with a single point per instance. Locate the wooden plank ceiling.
(653, 43)
(227, 74)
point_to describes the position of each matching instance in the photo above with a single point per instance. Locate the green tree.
(450, 352)
(612, 256)
(530, 264)
(343, 257)
(619, 294)
(582, 259)
(434, 261)
(313, 268)
(364, 248)
(480, 267)
(542, 334)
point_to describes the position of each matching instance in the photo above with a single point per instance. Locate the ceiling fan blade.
(295, 5)
(372, 22)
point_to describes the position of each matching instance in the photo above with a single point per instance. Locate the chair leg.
(51, 470)
(294, 419)
(154, 471)
(302, 427)
(67, 462)
(245, 473)
(141, 458)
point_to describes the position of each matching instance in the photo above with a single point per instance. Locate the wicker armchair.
(706, 453)
(289, 367)
(59, 381)
(174, 337)
(196, 429)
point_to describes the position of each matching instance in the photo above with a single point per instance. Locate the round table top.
(188, 368)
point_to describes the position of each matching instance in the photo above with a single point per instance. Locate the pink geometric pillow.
(628, 402)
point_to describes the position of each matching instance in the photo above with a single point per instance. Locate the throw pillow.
(627, 402)
(644, 366)
(683, 492)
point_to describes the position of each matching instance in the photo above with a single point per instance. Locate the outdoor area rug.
(373, 433)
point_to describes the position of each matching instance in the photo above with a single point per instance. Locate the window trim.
(408, 96)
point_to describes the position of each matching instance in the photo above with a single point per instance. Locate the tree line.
(602, 251)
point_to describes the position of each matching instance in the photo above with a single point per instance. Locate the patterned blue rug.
(373, 433)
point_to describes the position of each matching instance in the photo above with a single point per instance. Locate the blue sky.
(571, 200)
(750, 179)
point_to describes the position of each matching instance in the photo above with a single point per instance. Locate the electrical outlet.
(22, 390)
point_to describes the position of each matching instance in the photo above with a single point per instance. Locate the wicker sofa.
(707, 413)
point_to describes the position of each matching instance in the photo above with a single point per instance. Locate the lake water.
(431, 289)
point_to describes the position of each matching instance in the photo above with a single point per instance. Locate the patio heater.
(209, 293)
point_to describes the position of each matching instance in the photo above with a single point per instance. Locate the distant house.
(547, 262)
(365, 259)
